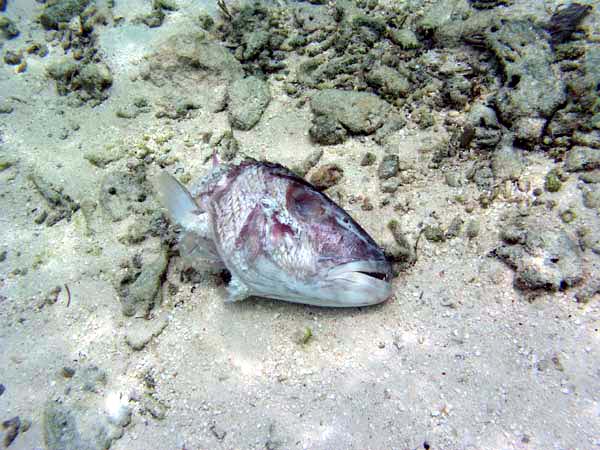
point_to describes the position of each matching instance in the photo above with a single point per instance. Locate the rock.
(406, 39)
(507, 163)
(312, 18)
(309, 162)
(388, 82)
(139, 294)
(12, 58)
(11, 429)
(543, 258)
(327, 176)
(393, 123)
(590, 139)
(153, 19)
(140, 333)
(455, 228)
(248, 99)
(61, 11)
(390, 185)
(552, 182)
(62, 205)
(103, 156)
(368, 159)
(434, 233)
(327, 130)
(486, 132)
(6, 162)
(67, 372)
(452, 179)
(60, 429)
(91, 378)
(591, 177)
(8, 27)
(389, 167)
(582, 158)
(95, 78)
(529, 130)
(564, 21)
(359, 112)
(591, 196)
(227, 146)
(473, 228)
(6, 107)
(534, 86)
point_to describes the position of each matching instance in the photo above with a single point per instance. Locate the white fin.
(179, 203)
(237, 290)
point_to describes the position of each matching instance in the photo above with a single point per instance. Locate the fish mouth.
(360, 283)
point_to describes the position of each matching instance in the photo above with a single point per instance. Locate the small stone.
(455, 228)
(304, 336)
(582, 158)
(434, 233)
(67, 372)
(473, 228)
(327, 130)
(12, 58)
(368, 159)
(568, 216)
(3, 254)
(390, 185)
(139, 335)
(11, 429)
(389, 167)
(248, 99)
(8, 26)
(452, 179)
(6, 107)
(2, 389)
(327, 176)
(552, 182)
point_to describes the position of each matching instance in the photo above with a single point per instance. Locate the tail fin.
(176, 199)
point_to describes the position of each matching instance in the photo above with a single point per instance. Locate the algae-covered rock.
(61, 204)
(406, 39)
(533, 86)
(87, 80)
(552, 182)
(8, 27)
(483, 127)
(327, 130)
(327, 176)
(582, 158)
(389, 167)
(507, 163)
(61, 11)
(60, 428)
(140, 295)
(248, 99)
(543, 258)
(359, 112)
(388, 82)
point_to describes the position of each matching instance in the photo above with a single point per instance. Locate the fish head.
(352, 270)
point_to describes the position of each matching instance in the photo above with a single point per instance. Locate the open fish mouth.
(360, 283)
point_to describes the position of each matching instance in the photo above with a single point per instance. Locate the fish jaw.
(358, 283)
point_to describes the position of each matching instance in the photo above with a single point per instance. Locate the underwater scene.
(285, 224)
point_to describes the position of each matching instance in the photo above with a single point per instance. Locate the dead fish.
(278, 236)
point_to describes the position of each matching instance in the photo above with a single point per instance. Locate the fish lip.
(365, 267)
(354, 286)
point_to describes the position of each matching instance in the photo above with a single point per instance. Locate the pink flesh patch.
(280, 229)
